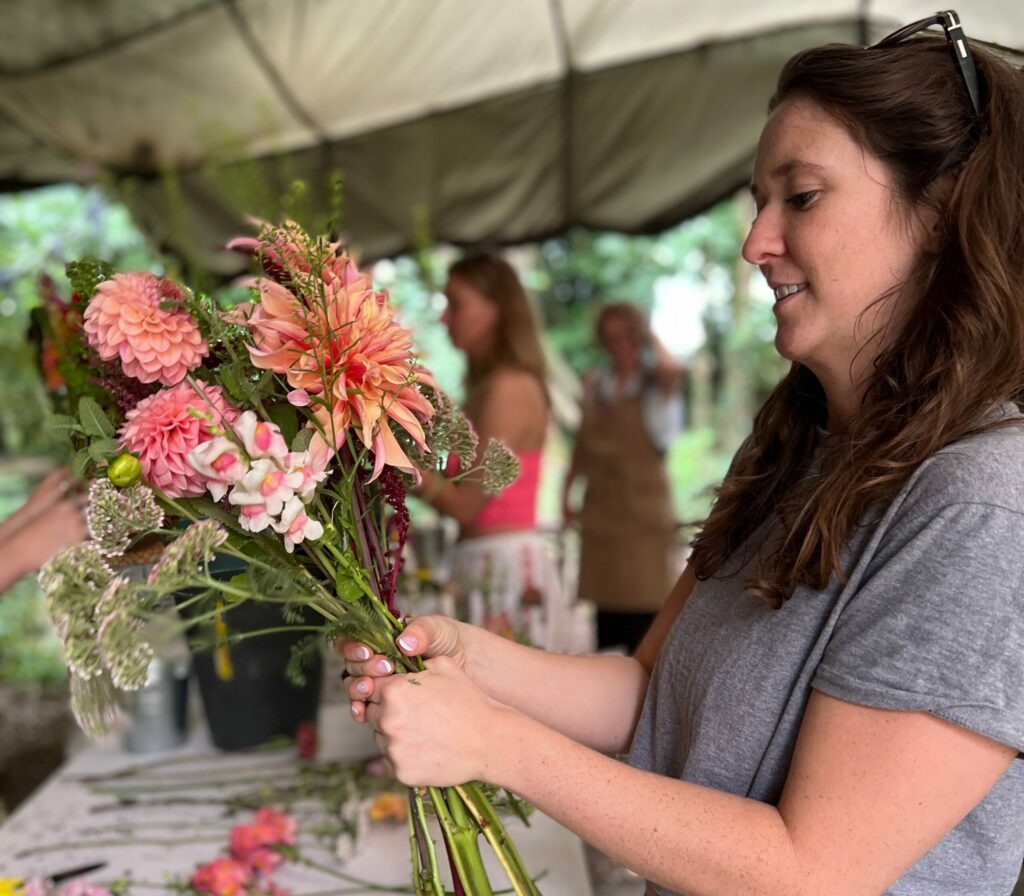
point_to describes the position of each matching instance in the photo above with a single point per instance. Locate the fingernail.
(407, 643)
(383, 666)
(354, 710)
(361, 652)
(362, 687)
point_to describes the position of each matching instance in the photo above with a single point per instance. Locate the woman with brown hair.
(832, 699)
(632, 410)
(503, 569)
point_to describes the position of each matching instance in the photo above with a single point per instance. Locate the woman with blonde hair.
(502, 568)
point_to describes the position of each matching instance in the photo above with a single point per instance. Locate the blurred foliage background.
(690, 280)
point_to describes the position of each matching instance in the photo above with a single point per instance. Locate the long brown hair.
(958, 350)
(516, 339)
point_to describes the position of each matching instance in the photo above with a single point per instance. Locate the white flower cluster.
(269, 484)
(115, 516)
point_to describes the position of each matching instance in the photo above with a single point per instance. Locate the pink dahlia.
(164, 428)
(128, 318)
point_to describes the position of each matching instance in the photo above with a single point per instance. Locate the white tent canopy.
(473, 121)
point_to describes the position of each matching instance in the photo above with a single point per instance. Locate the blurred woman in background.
(632, 411)
(502, 569)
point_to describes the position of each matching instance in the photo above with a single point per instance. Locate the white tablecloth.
(67, 824)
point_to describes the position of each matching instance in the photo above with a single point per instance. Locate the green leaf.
(101, 449)
(286, 418)
(86, 273)
(302, 440)
(347, 587)
(64, 422)
(233, 382)
(94, 421)
(80, 463)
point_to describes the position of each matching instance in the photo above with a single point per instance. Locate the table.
(66, 823)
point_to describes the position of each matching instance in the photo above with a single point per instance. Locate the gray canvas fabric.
(930, 619)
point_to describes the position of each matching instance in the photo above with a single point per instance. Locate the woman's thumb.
(423, 637)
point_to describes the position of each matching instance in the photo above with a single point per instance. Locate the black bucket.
(257, 702)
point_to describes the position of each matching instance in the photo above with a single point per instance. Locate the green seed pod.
(124, 470)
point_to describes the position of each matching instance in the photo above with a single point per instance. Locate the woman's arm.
(869, 791)
(512, 410)
(668, 370)
(55, 527)
(595, 700)
(568, 514)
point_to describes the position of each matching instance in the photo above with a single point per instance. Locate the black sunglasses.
(957, 41)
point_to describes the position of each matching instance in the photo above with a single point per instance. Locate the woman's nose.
(765, 239)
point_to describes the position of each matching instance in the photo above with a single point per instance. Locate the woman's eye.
(802, 200)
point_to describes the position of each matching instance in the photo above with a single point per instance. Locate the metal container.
(156, 712)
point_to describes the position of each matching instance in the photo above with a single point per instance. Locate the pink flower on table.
(165, 427)
(282, 826)
(296, 526)
(260, 438)
(254, 843)
(222, 877)
(35, 886)
(220, 462)
(79, 886)
(128, 319)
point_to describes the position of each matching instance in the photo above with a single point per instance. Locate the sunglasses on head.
(957, 41)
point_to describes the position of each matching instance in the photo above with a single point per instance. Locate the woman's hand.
(436, 728)
(427, 637)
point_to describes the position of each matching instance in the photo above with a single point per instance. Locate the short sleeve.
(936, 624)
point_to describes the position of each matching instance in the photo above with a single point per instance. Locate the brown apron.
(627, 522)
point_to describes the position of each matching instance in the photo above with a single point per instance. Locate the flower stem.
(499, 839)
(460, 833)
(429, 882)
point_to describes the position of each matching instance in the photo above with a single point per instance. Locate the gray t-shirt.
(931, 618)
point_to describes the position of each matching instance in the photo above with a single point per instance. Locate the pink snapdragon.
(311, 465)
(254, 517)
(267, 483)
(296, 526)
(221, 462)
(260, 438)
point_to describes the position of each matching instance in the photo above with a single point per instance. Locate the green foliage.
(86, 274)
(302, 655)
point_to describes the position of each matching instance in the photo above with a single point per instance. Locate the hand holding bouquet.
(280, 432)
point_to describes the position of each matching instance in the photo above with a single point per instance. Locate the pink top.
(516, 506)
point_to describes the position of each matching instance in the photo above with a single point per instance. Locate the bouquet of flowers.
(281, 432)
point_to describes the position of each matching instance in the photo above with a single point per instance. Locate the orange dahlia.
(128, 318)
(336, 339)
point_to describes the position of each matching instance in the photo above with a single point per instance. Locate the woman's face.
(830, 237)
(471, 317)
(619, 341)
